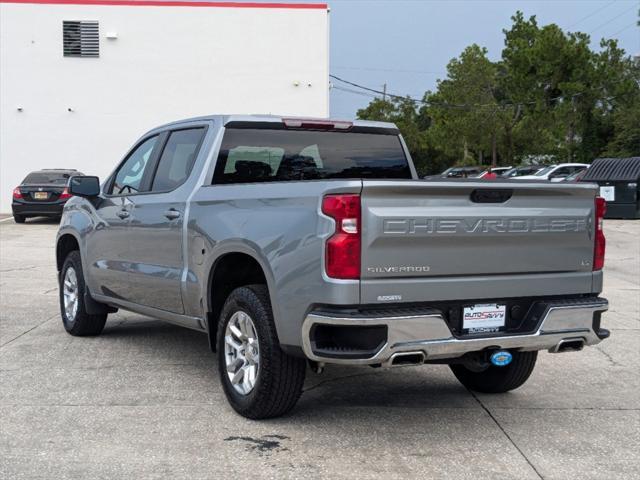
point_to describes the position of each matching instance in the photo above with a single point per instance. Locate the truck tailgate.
(424, 240)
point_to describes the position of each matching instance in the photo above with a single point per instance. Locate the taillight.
(342, 253)
(65, 194)
(600, 242)
(316, 124)
(17, 194)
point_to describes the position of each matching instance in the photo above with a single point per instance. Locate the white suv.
(555, 173)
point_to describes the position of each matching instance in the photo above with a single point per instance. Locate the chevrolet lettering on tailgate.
(417, 226)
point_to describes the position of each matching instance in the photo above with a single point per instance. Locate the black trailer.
(619, 180)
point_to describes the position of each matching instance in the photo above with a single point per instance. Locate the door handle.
(172, 214)
(123, 214)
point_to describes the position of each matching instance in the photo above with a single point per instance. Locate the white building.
(80, 80)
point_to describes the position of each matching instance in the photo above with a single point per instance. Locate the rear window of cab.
(274, 155)
(49, 178)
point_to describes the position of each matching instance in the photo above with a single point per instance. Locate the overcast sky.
(408, 43)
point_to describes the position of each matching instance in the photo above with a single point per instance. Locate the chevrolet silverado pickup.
(298, 243)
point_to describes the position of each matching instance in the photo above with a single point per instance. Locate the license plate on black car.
(41, 195)
(484, 318)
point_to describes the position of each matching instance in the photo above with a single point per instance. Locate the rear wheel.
(498, 379)
(258, 378)
(75, 318)
(19, 218)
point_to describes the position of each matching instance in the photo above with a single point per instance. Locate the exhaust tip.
(568, 345)
(571, 346)
(411, 358)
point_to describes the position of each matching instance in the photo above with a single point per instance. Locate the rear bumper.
(38, 209)
(576, 321)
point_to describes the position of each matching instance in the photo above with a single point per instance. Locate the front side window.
(270, 155)
(129, 177)
(177, 159)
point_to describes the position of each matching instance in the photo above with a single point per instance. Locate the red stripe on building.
(173, 3)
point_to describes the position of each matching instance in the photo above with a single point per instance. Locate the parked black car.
(42, 193)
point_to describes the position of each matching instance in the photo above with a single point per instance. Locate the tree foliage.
(548, 96)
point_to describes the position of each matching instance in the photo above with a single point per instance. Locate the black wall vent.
(80, 39)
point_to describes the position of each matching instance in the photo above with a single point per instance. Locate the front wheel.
(258, 378)
(498, 379)
(75, 318)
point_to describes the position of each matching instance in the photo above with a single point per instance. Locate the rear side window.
(264, 155)
(177, 159)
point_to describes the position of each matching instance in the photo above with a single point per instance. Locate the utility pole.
(384, 92)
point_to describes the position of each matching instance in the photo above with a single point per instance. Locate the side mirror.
(84, 186)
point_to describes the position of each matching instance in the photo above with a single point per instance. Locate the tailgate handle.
(491, 195)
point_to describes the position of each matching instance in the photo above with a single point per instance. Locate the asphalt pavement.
(143, 401)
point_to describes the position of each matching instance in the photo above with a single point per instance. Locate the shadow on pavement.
(423, 387)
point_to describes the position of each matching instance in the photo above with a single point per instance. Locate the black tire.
(19, 218)
(498, 379)
(83, 324)
(280, 376)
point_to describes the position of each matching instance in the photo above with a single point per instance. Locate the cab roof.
(277, 119)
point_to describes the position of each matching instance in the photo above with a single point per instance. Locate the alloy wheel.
(242, 352)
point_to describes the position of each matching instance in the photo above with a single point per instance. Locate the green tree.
(465, 111)
(625, 141)
(550, 74)
(403, 112)
(549, 95)
(614, 99)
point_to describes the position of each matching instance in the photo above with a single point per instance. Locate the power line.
(591, 14)
(391, 70)
(359, 92)
(373, 90)
(355, 92)
(416, 100)
(624, 28)
(612, 19)
(466, 106)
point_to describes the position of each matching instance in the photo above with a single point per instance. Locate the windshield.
(544, 171)
(576, 175)
(266, 155)
(49, 178)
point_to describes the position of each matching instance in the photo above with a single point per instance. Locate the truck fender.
(220, 250)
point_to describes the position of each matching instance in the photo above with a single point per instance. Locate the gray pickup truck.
(295, 243)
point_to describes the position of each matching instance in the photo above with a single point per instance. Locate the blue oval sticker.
(501, 358)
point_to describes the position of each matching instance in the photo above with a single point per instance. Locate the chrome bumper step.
(564, 323)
